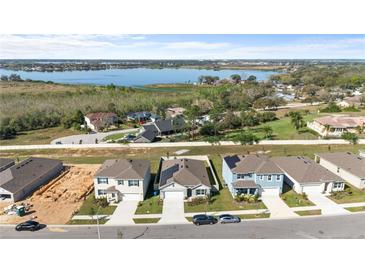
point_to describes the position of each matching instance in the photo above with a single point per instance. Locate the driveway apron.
(327, 206)
(277, 207)
(173, 211)
(123, 214)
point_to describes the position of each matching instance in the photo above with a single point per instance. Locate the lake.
(136, 76)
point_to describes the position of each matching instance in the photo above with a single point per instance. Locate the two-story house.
(252, 174)
(122, 180)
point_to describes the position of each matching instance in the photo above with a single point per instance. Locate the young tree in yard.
(268, 132)
(246, 138)
(350, 137)
(236, 78)
(296, 119)
(192, 114)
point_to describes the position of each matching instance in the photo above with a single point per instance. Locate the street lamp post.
(97, 222)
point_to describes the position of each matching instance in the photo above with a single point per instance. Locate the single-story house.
(350, 101)
(140, 116)
(6, 163)
(306, 176)
(347, 165)
(21, 180)
(183, 178)
(159, 128)
(122, 180)
(336, 125)
(175, 112)
(252, 174)
(99, 120)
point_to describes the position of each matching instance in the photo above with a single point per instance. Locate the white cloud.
(196, 45)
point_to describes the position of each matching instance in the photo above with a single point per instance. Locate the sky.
(182, 46)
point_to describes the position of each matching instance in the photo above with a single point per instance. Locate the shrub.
(197, 201)
(102, 202)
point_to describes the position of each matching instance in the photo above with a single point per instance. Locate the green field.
(39, 136)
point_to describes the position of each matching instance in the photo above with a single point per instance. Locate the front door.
(189, 192)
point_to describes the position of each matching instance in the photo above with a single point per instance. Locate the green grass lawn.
(114, 137)
(146, 220)
(152, 205)
(293, 199)
(349, 195)
(86, 222)
(222, 202)
(356, 208)
(309, 212)
(90, 203)
(254, 216)
(39, 136)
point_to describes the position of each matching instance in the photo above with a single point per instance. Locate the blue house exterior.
(252, 174)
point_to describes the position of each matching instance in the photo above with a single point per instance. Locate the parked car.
(203, 219)
(228, 218)
(58, 143)
(28, 225)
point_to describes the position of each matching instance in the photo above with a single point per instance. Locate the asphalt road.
(333, 227)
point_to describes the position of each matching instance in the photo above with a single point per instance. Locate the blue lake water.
(135, 77)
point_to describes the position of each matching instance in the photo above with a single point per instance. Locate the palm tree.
(296, 119)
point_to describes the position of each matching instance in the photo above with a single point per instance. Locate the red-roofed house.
(99, 120)
(336, 125)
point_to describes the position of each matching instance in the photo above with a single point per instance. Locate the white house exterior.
(306, 176)
(184, 178)
(122, 180)
(348, 166)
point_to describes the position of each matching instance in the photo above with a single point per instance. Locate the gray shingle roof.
(5, 162)
(305, 170)
(149, 135)
(124, 169)
(186, 172)
(254, 163)
(244, 184)
(26, 172)
(346, 160)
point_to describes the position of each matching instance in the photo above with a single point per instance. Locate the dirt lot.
(56, 202)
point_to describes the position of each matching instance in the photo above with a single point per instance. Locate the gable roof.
(348, 161)
(18, 176)
(341, 121)
(5, 163)
(305, 170)
(148, 135)
(253, 163)
(164, 125)
(97, 116)
(123, 169)
(184, 171)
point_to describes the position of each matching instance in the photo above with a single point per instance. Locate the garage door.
(174, 194)
(313, 189)
(270, 192)
(132, 197)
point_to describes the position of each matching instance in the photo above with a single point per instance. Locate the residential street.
(89, 138)
(346, 226)
(179, 144)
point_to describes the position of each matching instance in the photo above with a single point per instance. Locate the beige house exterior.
(348, 166)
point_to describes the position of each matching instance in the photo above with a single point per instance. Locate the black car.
(28, 225)
(203, 219)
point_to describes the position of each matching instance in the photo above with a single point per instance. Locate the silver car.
(227, 218)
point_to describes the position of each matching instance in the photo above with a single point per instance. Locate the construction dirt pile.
(57, 201)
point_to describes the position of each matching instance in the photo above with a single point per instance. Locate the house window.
(133, 183)
(337, 185)
(240, 176)
(101, 192)
(120, 182)
(278, 177)
(200, 191)
(102, 181)
(261, 177)
(269, 177)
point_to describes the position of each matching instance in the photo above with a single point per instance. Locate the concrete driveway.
(123, 215)
(173, 211)
(90, 138)
(277, 207)
(327, 206)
